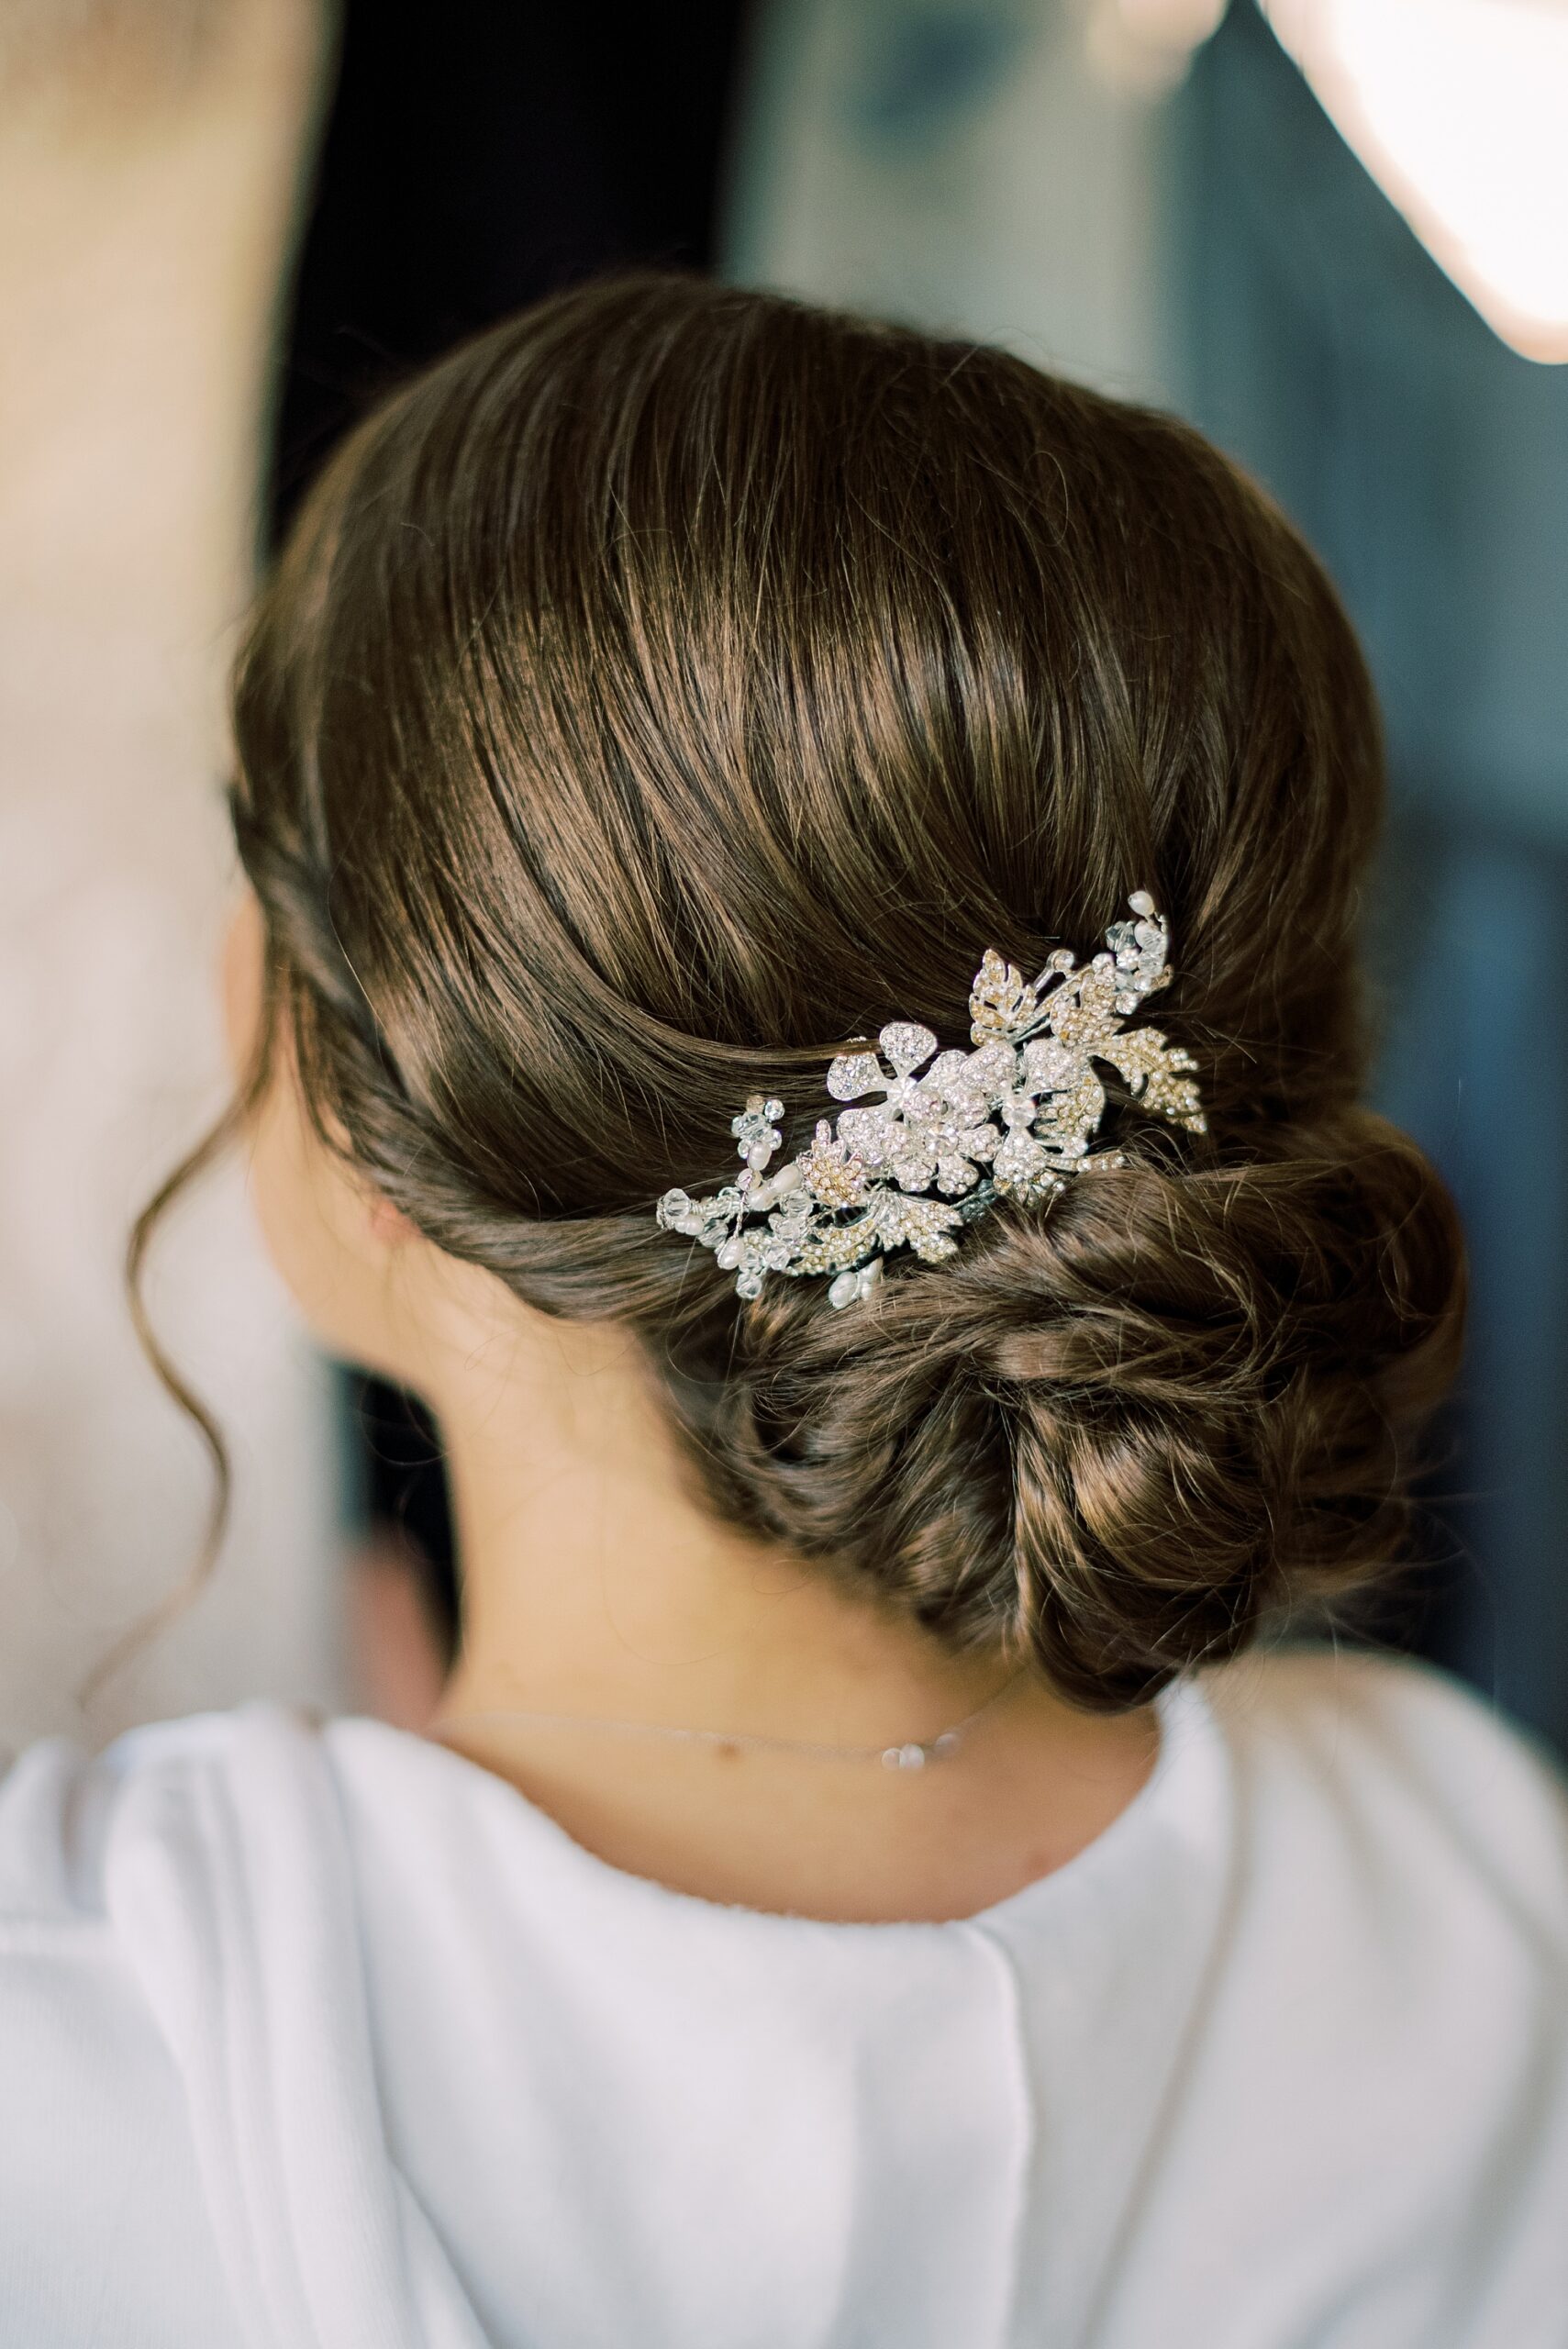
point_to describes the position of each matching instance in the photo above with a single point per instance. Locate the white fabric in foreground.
(327, 2039)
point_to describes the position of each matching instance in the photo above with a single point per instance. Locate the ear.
(388, 1224)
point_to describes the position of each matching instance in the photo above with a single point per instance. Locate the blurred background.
(1332, 233)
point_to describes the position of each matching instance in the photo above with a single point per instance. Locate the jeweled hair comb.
(907, 1171)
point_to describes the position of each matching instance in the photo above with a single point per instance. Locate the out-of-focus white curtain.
(149, 157)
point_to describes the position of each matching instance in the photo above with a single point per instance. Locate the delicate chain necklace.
(913, 1755)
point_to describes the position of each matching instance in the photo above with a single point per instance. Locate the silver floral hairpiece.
(1024, 1104)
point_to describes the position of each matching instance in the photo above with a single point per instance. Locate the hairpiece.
(907, 1171)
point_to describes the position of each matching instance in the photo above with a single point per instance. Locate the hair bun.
(1119, 1434)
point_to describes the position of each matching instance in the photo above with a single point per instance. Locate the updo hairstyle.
(676, 682)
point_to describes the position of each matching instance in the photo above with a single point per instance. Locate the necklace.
(912, 1755)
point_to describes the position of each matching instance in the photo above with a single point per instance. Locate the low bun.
(1121, 1434)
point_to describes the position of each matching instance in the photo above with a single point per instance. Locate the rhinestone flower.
(834, 1175)
(918, 1155)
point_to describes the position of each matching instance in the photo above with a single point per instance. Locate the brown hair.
(677, 681)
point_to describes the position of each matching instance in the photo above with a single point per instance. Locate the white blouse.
(326, 2039)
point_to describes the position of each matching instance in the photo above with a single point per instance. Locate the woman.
(869, 1881)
